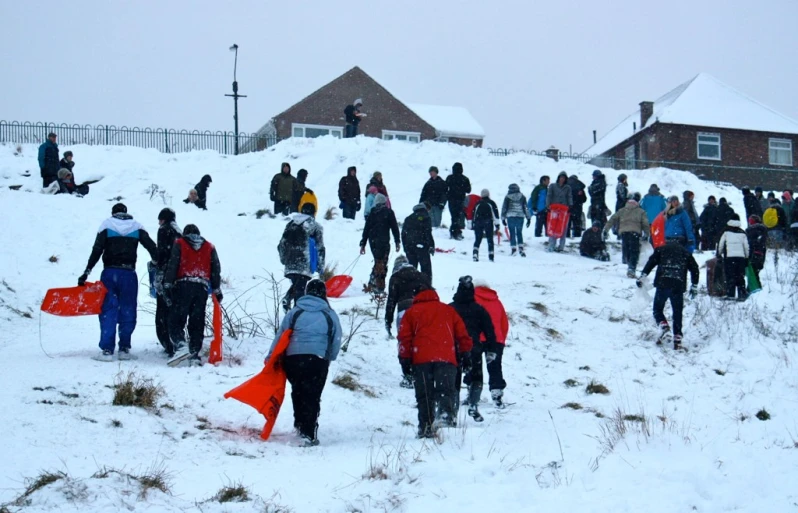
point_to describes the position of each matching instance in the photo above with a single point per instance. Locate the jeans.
(307, 374)
(350, 131)
(630, 248)
(483, 230)
(540, 223)
(380, 252)
(434, 386)
(553, 242)
(282, 207)
(435, 214)
(676, 298)
(119, 308)
(188, 301)
(348, 209)
(516, 226)
(420, 257)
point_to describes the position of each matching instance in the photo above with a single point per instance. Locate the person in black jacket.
(117, 243)
(751, 204)
(757, 234)
(672, 261)
(380, 224)
(417, 239)
(349, 193)
(478, 323)
(725, 213)
(434, 193)
(200, 199)
(459, 186)
(485, 222)
(598, 201)
(621, 192)
(405, 283)
(67, 161)
(301, 177)
(575, 226)
(168, 233)
(592, 244)
(48, 160)
(710, 230)
(192, 271)
(353, 118)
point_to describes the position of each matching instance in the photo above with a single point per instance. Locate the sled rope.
(351, 266)
(41, 345)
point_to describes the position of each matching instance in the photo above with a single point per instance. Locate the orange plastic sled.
(658, 231)
(74, 301)
(337, 285)
(265, 392)
(217, 353)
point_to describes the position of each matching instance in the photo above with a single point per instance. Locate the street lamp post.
(235, 95)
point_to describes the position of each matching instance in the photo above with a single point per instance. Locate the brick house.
(387, 117)
(710, 129)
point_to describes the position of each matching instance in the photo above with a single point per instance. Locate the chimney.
(646, 110)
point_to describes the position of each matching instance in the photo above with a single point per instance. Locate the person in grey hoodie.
(559, 193)
(315, 342)
(514, 210)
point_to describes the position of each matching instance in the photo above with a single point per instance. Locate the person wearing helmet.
(168, 233)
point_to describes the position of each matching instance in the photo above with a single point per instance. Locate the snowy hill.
(677, 432)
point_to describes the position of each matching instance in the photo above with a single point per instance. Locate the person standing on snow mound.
(48, 160)
(349, 193)
(459, 186)
(301, 250)
(282, 189)
(537, 204)
(485, 222)
(405, 283)
(598, 202)
(479, 325)
(708, 221)
(672, 261)
(559, 193)
(417, 239)
(168, 233)
(117, 242)
(433, 340)
(315, 342)
(631, 223)
(592, 244)
(192, 271)
(353, 118)
(380, 224)
(751, 204)
(575, 223)
(514, 210)
(435, 192)
(678, 225)
(301, 177)
(489, 300)
(734, 250)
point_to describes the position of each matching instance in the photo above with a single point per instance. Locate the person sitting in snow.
(198, 196)
(117, 243)
(485, 222)
(417, 239)
(66, 184)
(734, 250)
(380, 224)
(302, 252)
(592, 244)
(315, 342)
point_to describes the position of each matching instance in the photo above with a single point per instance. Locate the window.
(629, 157)
(780, 152)
(312, 131)
(392, 135)
(708, 146)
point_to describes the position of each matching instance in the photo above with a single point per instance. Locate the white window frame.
(391, 135)
(699, 143)
(335, 131)
(788, 142)
(630, 162)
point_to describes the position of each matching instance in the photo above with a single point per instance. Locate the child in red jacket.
(489, 299)
(433, 338)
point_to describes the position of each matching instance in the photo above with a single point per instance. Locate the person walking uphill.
(489, 300)
(168, 233)
(459, 186)
(559, 193)
(434, 340)
(514, 210)
(598, 202)
(380, 224)
(733, 248)
(417, 239)
(537, 204)
(192, 271)
(672, 261)
(353, 118)
(282, 189)
(631, 222)
(434, 193)
(48, 160)
(485, 221)
(349, 193)
(117, 243)
(315, 342)
(302, 252)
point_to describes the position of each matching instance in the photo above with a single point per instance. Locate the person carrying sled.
(458, 187)
(672, 261)
(282, 189)
(433, 339)
(559, 193)
(631, 222)
(434, 193)
(380, 224)
(592, 244)
(485, 222)
(678, 225)
(405, 283)
(479, 325)
(168, 234)
(734, 250)
(117, 243)
(192, 272)
(708, 220)
(514, 211)
(598, 201)
(375, 186)
(537, 204)
(349, 193)
(48, 160)
(302, 252)
(757, 234)
(417, 239)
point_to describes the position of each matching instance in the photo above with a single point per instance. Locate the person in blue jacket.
(653, 203)
(537, 204)
(678, 225)
(315, 342)
(48, 160)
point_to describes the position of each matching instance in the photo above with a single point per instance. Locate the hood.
(380, 199)
(375, 182)
(513, 188)
(420, 208)
(174, 226)
(401, 266)
(194, 240)
(302, 175)
(561, 175)
(464, 294)
(297, 218)
(733, 223)
(653, 190)
(312, 303)
(62, 173)
(426, 296)
(746, 191)
(631, 203)
(486, 294)
(283, 165)
(206, 180)
(121, 223)
(457, 168)
(688, 196)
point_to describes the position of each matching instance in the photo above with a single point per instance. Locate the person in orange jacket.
(434, 340)
(489, 300)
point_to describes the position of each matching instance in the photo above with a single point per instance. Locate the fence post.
(106, 135)
(166, 140)
(225, 143)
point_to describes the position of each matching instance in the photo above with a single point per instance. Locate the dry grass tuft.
(234, 492)
(349, 381)
(134, 390)
(596, 388)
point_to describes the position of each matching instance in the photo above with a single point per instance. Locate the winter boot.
(490, 257)
(521, 252)
(476, 256)
(124, 355)
(513, 252)
(181, 355)
(631, 274)
(664, 333)
(426, 432)
(444, 420)
(473, 412)
(308, 441)
(677, 343)
(407, 381)
(194, 360)
(497, 395)
(105, 356)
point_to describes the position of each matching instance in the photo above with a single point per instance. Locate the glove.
(358, 205)
(639, 281)
(362, 250)
(693, 291)
(219, 295)
(504, 222)
(431, 251)
(527, 222)
(82, 279)
(465, 362)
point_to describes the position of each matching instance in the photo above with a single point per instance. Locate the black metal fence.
(581, 157)
(162, 139)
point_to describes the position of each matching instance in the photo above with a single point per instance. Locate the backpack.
(771, 218)
(294, 236)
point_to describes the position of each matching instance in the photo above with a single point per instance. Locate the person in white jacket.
(733, 249)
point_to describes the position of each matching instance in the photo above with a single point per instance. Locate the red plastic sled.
(439, 250)
(337, 285)
(658, 231)
(557, 221)
(473, 199)
(74, 301)
(265, 392)
(216, 354)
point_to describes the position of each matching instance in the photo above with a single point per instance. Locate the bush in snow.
(134, 390)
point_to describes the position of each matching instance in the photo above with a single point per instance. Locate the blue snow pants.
(119, 308)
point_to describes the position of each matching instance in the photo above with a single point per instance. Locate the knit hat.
(735, 217)
(359, 101)
(637, 197)
(673, 198)
(596, 173)
(317, 288)
(465, 290)
(380, 199)
(63, 172)
(712, 198)
(420, 207)
(758, 189)
(191, 229)
(401, 259)
(653, 189)
(67, 154)
(167, 215)
(433, 169)
(119, 208)
(597, 224)
(621, 177)
(485, 193)
(377, 174)
(754, 219)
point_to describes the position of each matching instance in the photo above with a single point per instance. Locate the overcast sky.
(534, 73)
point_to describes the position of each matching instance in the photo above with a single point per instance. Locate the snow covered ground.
(691, 441)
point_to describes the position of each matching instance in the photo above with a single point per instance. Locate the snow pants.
(474, 379)
(119, 308)
(307, 374)
(407, 368)
(420, 257)
(380, 251)
(434, 386)
(296, 290)
(630, 249)
(282, 207)
(188, 301)
(162, 323)
(515, 226)
(435, 215)
(575, 227)
(483, 230)
(734, 271)
(458, 217)
(676, 298)
(540, 223)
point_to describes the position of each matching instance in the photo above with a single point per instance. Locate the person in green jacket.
(282, 189)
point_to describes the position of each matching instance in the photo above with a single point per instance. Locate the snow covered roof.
(449, 121)
(702, 101)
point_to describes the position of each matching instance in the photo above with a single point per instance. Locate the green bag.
(753, 283)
